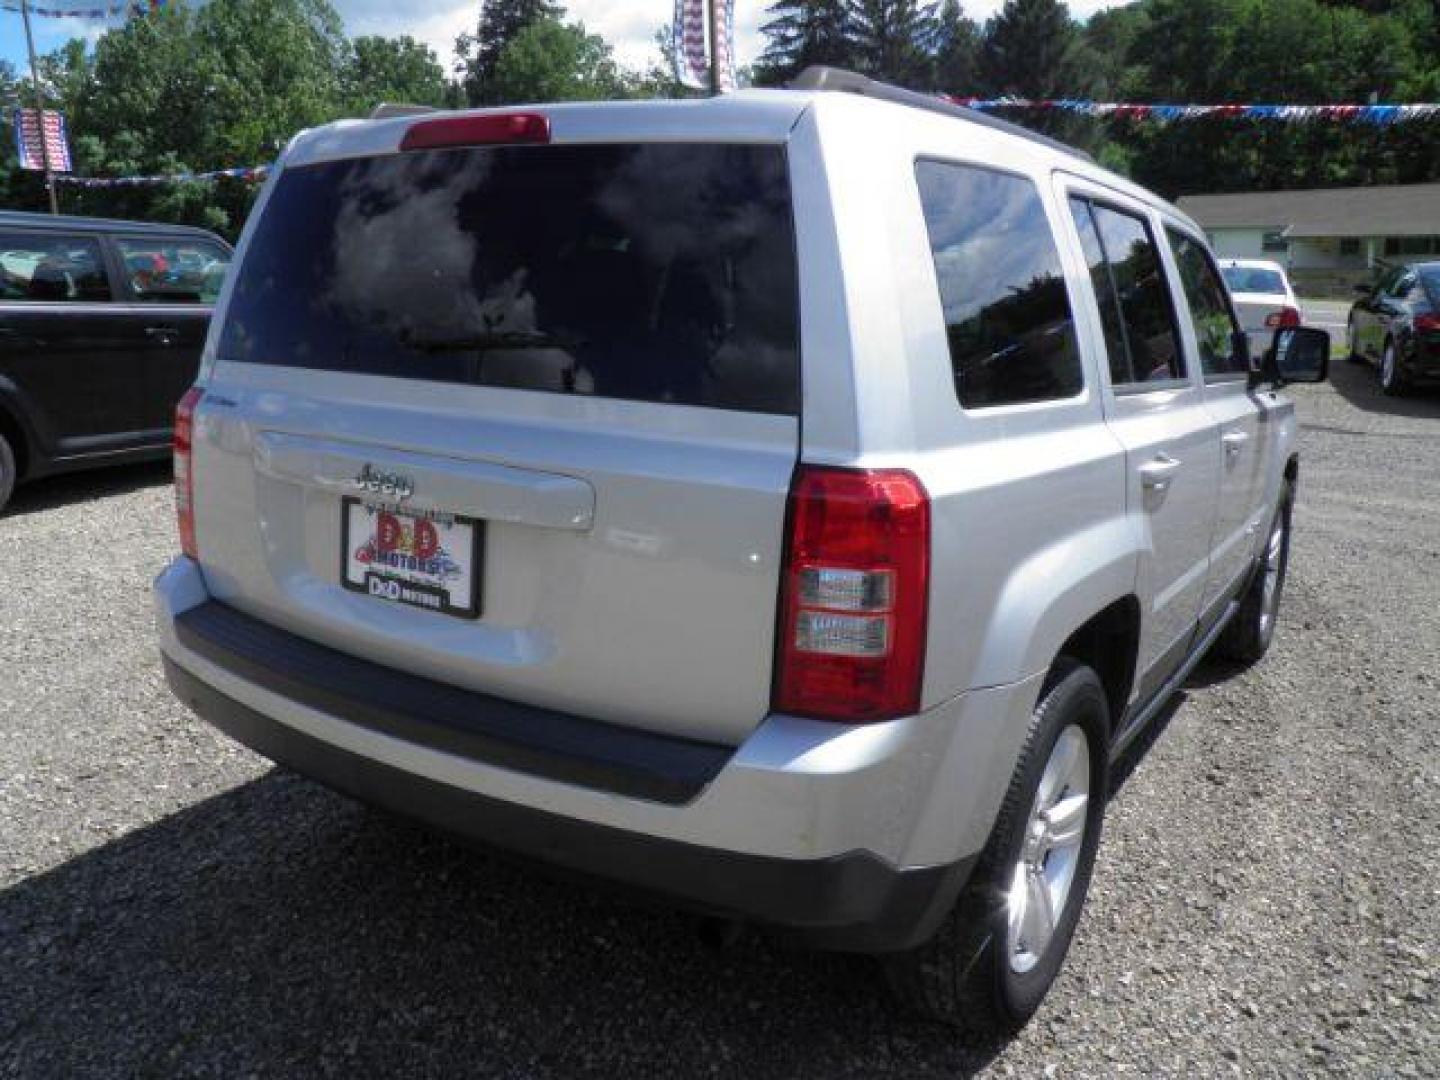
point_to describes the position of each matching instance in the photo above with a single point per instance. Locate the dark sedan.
(1396, 325)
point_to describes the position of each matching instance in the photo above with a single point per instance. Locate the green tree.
(554, 61)
(894, 40)
(500, 23)
(1033, 49)
(805, 32)
(392, 70)
(956, 45)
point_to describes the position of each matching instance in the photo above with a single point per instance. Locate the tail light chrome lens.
(184, 470)
(854, 595)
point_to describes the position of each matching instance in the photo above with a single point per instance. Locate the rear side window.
(1141, 334)
(44, 266)
(169, 271)
(1007, 314)
(1215, 325)
(649, 272)
(1431, 281)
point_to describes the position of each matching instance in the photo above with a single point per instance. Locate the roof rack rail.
(820, 77)
(385, 110)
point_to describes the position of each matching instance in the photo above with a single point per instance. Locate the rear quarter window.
(649, 272)
(1007, 313)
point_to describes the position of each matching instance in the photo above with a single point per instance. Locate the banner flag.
(725, 48)
(692, 67)
(249, 174)
(1378, 115)
(94, 11)
(28, 127)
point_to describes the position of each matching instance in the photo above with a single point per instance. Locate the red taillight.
(493, 129)
(853, 595)
(1428, 324)
(184, 474)
(1286, 316)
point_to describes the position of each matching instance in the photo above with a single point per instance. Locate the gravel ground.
(1266, 901)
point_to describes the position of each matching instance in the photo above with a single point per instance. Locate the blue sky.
(628, 25)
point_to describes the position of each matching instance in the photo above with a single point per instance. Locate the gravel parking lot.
(1266, 901)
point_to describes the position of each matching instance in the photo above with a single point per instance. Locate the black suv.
(101, 327)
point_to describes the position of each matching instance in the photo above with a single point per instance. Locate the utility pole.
(39, 108)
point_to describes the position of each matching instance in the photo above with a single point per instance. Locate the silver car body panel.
(633, 577)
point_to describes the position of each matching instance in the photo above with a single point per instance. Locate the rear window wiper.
(499, 339)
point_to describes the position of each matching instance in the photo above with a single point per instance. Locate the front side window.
(1141, 334)
(1007, 313)
(1215, 325)
(174, 271)
(40, 266)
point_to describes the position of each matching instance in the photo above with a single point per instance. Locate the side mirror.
(1297, 354)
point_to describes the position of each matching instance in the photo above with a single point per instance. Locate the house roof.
(1398, 210)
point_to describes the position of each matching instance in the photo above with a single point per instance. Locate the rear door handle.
(1235, 441)
(1157, 473)
(163, 335)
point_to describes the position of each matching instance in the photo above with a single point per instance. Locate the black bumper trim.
(525, 738)
(855, 901)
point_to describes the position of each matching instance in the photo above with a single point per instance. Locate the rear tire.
(991, 963)
(1392, 380)
(1252, 628)
(7, 471)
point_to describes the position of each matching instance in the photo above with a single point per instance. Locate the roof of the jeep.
(749, 115)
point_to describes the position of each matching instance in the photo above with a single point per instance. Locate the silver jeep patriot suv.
(789, 503)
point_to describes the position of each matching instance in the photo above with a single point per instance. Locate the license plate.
(420, 558)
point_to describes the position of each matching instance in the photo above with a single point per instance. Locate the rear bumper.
(853, 901)
(854, 837)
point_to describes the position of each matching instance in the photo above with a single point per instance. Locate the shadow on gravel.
(55, 491)
(1360, 385)
(284, 930)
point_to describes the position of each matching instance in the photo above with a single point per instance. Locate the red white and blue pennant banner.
(251, 174)
(55, 148)
(692, 60)
(95, 11)
(1294, 114)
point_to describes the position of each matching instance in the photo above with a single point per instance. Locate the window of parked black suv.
(171, 271)
(46, 266)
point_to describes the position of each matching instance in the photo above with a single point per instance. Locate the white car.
(1263, 298)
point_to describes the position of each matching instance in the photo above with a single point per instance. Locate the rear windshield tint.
(1253, 279)
(650, 272)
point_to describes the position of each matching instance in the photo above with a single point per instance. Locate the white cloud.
(628, 25)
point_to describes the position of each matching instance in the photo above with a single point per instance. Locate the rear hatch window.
(648, 272)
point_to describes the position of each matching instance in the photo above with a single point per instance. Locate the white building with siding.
(1328, 238)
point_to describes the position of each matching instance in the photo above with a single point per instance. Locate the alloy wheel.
(1050, 850)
